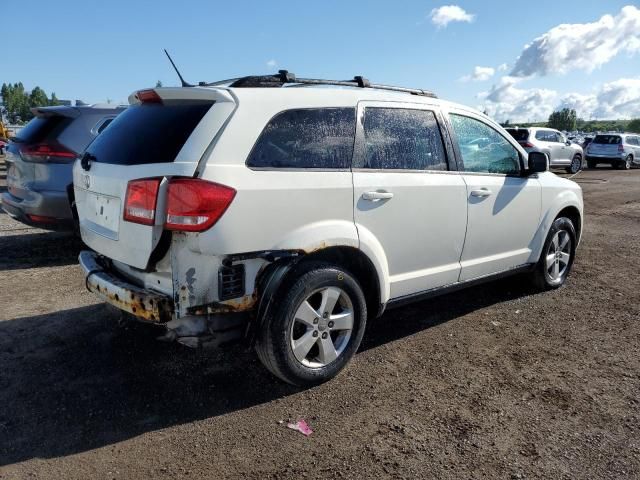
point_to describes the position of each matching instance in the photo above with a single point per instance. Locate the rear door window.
(41, 129)
(402, 139)
(147, 133)
(319, 138)
(483, 149)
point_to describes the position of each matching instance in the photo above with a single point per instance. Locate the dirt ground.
(494, 382)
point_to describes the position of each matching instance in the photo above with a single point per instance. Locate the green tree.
(158, 84)
(38, 98)
(565, 119)
(54, 100)
(16, 102)
(634, 126)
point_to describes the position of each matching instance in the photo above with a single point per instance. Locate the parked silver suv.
(40, 162)
(620, 150)
(559, 150)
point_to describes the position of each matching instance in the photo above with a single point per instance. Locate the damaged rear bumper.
(144, 304)
(193, 330)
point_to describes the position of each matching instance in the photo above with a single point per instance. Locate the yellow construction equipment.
(4, 132)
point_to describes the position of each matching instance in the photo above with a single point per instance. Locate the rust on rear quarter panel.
(236, 305)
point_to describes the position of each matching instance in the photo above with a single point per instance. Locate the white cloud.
(505, 101)
(581, 46)
(442, 16)
(272, 63)
(617, 99)
(503, 67)
(480, 74)
(613, 100)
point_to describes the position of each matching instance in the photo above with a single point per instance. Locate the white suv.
(290, 216)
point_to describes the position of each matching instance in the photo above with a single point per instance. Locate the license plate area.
(102, 214)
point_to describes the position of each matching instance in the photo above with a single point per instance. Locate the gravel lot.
(492, 382)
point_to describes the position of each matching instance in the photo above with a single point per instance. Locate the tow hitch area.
(206, 330)
(146, 305)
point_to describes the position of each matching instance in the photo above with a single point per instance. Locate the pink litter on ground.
(301, 426)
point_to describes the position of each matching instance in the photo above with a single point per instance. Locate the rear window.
(41, 129)
(607, 139)
(520, 134)
(307, 138)
(147, 133)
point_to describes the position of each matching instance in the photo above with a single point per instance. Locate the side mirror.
(537, 162)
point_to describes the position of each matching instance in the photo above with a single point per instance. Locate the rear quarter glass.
(148, 133)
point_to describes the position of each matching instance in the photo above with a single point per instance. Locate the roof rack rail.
(285, 77)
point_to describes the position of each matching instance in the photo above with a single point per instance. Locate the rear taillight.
(526, 144)
(195, 205)
(140, 201)
(41, 219)
(620, 148)
(51, 152)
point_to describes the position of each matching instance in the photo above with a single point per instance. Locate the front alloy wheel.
(576, 164)
(558, 256)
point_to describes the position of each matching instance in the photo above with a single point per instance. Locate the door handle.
(481, 193)
(373, 196)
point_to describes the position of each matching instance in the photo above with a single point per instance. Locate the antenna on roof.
(184, 84)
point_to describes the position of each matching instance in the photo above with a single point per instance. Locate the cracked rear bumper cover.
(144, 304)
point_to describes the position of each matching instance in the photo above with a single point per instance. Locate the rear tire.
(627, 162)
(557, 256)
(591, 164)
(316, 325)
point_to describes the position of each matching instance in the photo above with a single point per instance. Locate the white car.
(561, 151)
(289, 217)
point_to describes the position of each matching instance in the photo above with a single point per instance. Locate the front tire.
(316, 326)
(627, 163)
(576, 164)
(557, 256)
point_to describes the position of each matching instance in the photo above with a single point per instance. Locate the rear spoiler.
(61, 111)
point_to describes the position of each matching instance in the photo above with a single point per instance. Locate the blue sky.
(105, 50)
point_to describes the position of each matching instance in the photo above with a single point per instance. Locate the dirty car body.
(254, 194)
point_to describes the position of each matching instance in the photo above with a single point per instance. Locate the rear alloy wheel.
(557, 256)
(576, 164)
(315, 328)
(627, 162)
